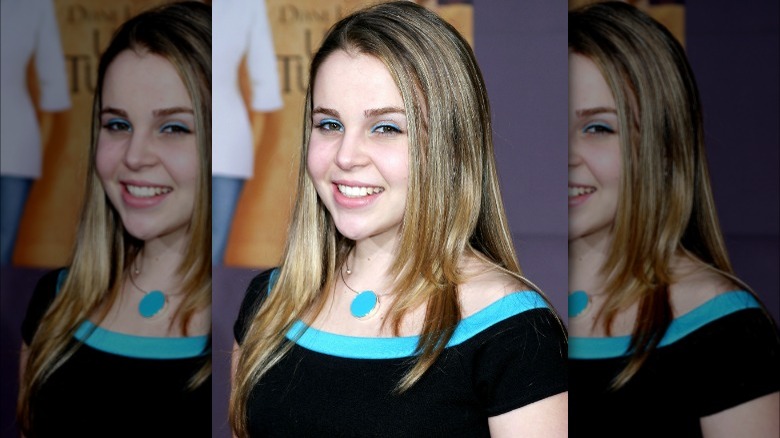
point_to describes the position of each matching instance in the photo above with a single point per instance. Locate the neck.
(374, 256)
(159, 263)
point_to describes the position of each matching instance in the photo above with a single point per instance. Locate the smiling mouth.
(147, 191)
(358, 192)
(575, 191)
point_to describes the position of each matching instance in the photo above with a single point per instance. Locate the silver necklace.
(154, 303)
(366, 303)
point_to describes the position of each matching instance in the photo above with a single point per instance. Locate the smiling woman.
(399, 298)
(120, 338)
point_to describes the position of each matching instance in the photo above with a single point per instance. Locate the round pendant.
(364, 305)
(578, 302)
(151, 304)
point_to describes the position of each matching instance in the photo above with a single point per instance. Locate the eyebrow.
(157, 113)
(592, 111)
(367, 113)
(382, 111)
(173, 110)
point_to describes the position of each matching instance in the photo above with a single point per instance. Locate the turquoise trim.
(141, 347)
(682, 326)
(391, 348)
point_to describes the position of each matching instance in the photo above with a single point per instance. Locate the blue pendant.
(151, 304)
(364, 304)
(578, 302)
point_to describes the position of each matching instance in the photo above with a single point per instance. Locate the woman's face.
(147, 152)
(359, 147)
(594, 151)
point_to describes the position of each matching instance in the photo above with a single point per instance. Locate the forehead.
(143, 78)
(355, 80)
(587, 86)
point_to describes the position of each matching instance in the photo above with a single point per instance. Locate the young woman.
(667, 341)
(118, 343)
(399, 308)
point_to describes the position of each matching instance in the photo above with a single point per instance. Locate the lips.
(577, 190)
(358, 191)
(353, 194)
(579, 193)
(137, 194)
(147, 191)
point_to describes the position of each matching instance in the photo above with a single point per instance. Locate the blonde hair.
(666, 204)
(449, 129)
(103, 250)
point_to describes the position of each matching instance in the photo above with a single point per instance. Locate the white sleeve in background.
(261, 63)
(241, 28)
(50, 62)
(28, 32)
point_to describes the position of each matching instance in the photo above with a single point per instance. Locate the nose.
(351, 151)
(140, 151)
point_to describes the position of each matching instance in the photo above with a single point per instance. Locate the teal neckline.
(355, 347)
(141, 347)
(680, 327)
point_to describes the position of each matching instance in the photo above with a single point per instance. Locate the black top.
(504, 357)
(722, 354)
(119, 385)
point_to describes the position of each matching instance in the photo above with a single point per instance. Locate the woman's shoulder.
(695, 284)
(486, 284)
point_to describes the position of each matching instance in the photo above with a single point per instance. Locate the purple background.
(733, 48)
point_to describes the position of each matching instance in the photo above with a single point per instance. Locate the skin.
(594, 160)
(359, 137)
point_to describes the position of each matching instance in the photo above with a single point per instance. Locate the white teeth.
(579, 191)
(146, 192)
(357, 192)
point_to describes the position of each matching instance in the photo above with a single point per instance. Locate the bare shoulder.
(484, 284)
(695, 283)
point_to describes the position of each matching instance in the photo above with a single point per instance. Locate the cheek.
(184, 167)
(316, 162)
(395, 166)
(106, 161)
(609, 165)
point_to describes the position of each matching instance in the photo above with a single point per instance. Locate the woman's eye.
(117, 125)
(175, 128)
(386, 129)
(329, 125)
(598, 128)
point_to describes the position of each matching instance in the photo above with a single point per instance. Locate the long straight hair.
(665, 204)
(450, 145)
(103, 251)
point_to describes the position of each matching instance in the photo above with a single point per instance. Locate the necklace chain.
(132, 281)
(366, 303)
(154, 303)
(341, 271)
